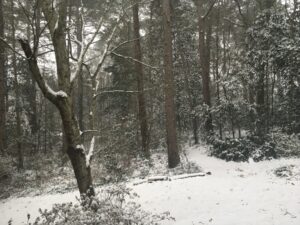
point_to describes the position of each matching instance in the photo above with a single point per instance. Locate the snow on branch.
(60, 93)
(91, 151)
(88, 131)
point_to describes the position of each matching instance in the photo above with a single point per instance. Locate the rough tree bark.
(56, 22)
(173, 155)
(2, 83)
(142, 113)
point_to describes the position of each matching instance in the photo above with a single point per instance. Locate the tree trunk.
(205, 28)
(173, 155)
(80, 77)
(260, 104)
(218, 79)
(45, 126)
(32, 93)
(195, 130)
(17, 94)
(56, 22)
(142, 113)
(75, 150)
(2, 84)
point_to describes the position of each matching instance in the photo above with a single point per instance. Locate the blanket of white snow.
(235, 194)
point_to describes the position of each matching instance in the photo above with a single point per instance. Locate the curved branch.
(34, 68)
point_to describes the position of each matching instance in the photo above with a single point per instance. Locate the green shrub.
(287, 145)
(240, 150)
(113, 206)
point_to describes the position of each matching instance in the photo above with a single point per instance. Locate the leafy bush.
(110, 207)
(5, 169)
(240, 150)
(287, 145)
(289, 172)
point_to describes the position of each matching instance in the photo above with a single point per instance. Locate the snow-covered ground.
(235, 194)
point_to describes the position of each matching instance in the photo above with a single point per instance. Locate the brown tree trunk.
(75, 150)
(218, 79)
(205, 28)
(45, 126)
(173, 155)
(17, 94)
(142, 113)
(32, 112)
(2, 84)
(80, 77)
(195, 130)
(260, 104)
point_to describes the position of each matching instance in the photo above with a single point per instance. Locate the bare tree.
(55, 16)
(173, 155)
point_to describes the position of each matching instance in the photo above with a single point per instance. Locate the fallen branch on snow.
(167, 178)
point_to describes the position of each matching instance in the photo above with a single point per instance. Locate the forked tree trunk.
(142, 114)
(56, 21)
(74, 146)
(173, 155)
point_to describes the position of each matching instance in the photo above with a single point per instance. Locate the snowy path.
(235, 194)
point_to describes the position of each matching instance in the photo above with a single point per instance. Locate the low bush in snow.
(157, 166)
(290, 172)
(113, 206)
(242, 149)
(287, 145)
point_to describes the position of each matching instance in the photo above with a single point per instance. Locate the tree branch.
(241, 13)
(11, 48)
(209, 10)
(33, 66)
(84, 51)
(135, 60)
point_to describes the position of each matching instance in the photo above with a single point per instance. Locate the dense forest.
(93, 91)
